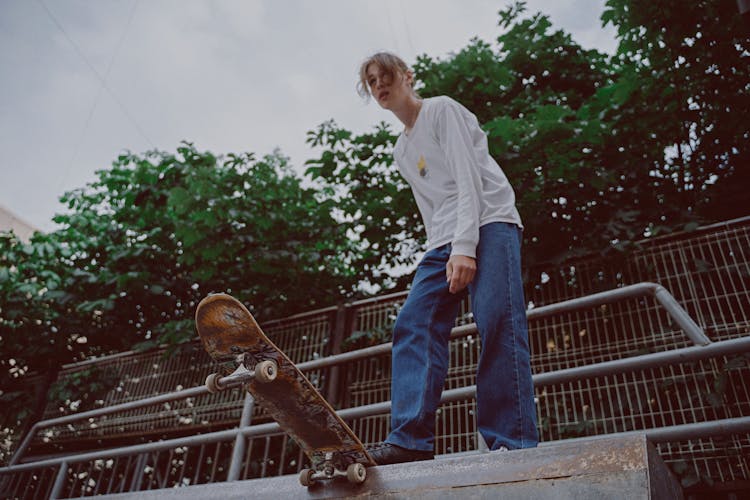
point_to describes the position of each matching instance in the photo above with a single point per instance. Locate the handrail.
(676, 356)
(683, 319)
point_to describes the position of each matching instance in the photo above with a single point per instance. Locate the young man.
(474, 240)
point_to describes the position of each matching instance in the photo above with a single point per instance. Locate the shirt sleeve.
(455, 132)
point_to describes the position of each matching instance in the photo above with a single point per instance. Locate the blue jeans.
(506, 414)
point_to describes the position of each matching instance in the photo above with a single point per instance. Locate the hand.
(460, 270)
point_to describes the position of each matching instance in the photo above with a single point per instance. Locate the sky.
(83, 81)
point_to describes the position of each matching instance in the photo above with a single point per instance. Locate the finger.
(463, 278)
(453, 286)
(456, 282)
(470, 275)
(448, 271)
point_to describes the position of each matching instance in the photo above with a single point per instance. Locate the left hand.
(460, 270)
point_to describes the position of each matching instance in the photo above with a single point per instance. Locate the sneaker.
(387, 453)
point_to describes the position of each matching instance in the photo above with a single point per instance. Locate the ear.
(410, 77)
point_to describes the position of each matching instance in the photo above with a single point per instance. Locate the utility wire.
(95, 104)
(390, 26)
(406, 26)
(98, 76)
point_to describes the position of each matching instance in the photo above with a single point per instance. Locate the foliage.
(691, 65)
(602, 150)
(359, 339)
(82, 390)
(143, 243)
(373, 202)
(532, 95)
(583, 136)
(34, 296)
(156, 232)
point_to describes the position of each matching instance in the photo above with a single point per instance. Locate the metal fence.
(708, 271)
(169, 463)
(142, 375)
(709, 274)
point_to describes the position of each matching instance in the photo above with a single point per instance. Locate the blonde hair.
(390, 63)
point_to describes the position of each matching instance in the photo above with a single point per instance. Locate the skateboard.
(232, 337)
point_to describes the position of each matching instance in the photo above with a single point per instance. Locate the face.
(389, 91)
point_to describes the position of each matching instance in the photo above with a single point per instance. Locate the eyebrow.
(372, 75)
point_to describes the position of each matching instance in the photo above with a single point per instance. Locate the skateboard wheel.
(356, 473)
(266, 371)
(305, 477)
(212, 383)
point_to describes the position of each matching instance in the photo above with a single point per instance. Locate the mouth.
(382, 95)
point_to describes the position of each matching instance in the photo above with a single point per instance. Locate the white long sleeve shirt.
(457, 185)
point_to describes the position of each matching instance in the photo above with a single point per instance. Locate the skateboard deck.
(232, 337)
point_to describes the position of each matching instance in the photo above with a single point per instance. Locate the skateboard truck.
(355, 472)
(265, 371)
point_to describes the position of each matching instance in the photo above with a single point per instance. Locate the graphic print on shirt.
(422, 166)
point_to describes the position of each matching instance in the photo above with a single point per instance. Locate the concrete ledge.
(623, 468)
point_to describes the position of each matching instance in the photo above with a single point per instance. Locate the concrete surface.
(617, 468)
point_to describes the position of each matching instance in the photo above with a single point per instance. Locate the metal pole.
(340, 331)
(131, 405)
(676, 433)
(681, 316)
(138, 471)
(62, 472)
(684, 355)
(240, 442)
(24, 444)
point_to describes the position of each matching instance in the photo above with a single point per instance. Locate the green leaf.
(179, 200)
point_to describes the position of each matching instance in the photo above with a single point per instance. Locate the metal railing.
(702, 349)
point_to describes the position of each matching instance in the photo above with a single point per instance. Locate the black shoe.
(387, 453)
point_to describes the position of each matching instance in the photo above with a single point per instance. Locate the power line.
(98, 76)
(95, 104)
(406, 26)
(390, 25)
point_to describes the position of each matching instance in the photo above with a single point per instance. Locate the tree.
(601, 150)
(533, 95)
(374, 204)
(154, 234)
(141, 245)
(691, 65)
(32, 327)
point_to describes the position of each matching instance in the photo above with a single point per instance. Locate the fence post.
(62, 472)
(341, 330)
(138, 471)
(41, 392)
(240, 441)
(681, 316)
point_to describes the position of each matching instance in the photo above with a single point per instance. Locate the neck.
(408, 113)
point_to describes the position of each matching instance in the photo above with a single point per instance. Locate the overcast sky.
(81, 81)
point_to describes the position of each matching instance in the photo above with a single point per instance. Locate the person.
(474, 244)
